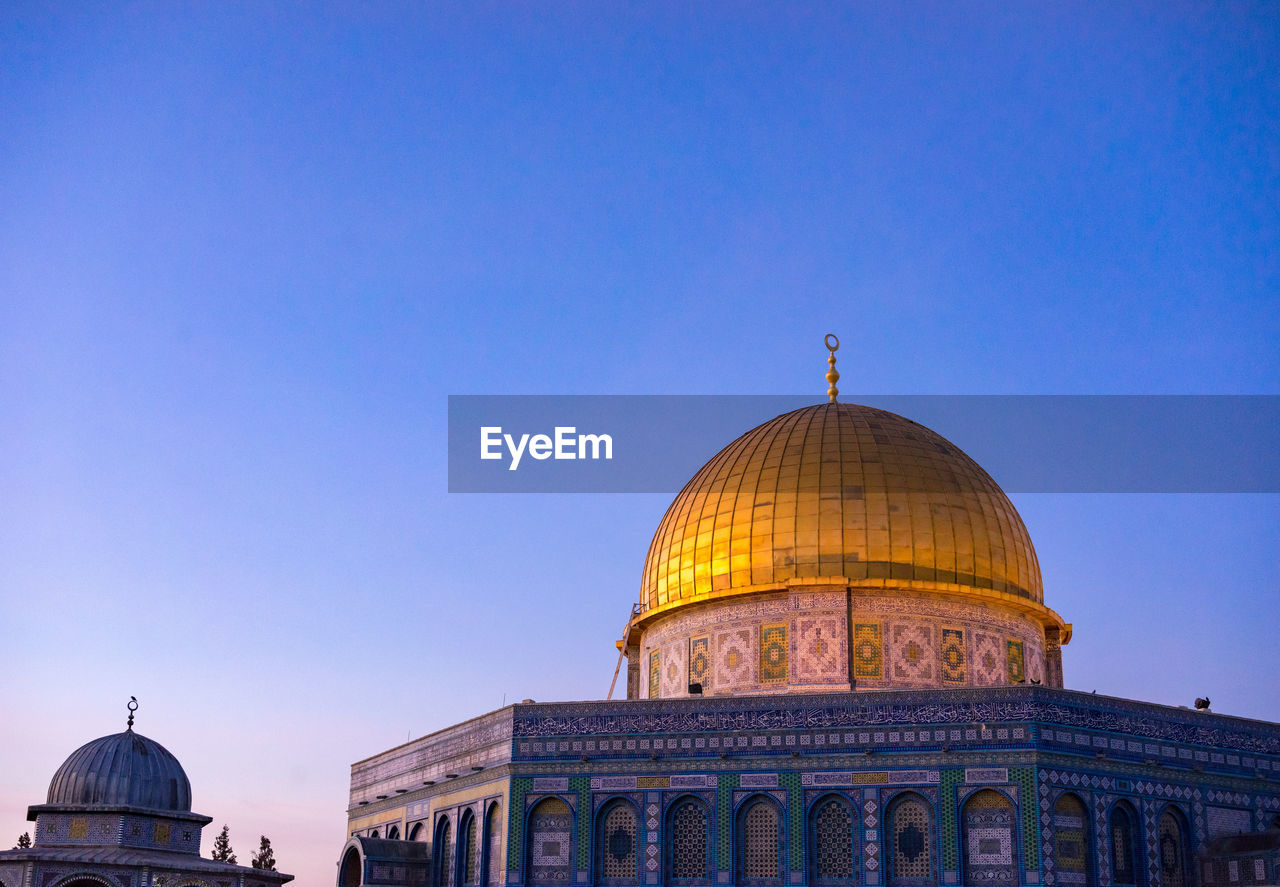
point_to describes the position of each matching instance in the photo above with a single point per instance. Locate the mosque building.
(118, 814)
(841, 671)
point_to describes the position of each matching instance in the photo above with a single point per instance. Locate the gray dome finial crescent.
(132, 706)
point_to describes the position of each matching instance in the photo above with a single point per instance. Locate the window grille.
(760, 842)
(618, 843)
(833, 842)
(912, 842)
(688, 842)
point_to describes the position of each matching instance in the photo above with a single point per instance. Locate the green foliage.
(24, 841)
(222, 851)
(264, 859)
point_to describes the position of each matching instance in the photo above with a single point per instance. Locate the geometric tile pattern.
(734, 654)
(1017, 674)
(795, 806)
(519, 786)
(773, 653)
(868, 661)
(1025, 779)
(913, 651)
(550, 843)
(724, 818)
(872, 846)
(988, 659)
(953, 658)
(675, 669)
(988, 840)
(820, 654)
(700, 661)
(655, 675)
(581, 785)
(950, 779)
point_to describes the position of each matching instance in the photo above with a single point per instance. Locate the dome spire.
(832, 375)
(132, 706)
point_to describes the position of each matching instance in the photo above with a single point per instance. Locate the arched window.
(374, 834)
(350, 873)
(688, 843)
(1173, 852)
(492, 869)
(617, 844)
(1124, 859)
(989, 843)
(444, 853)
(759, 842)
(550, 847)
(1071, 841)
(469, 847)
(417, 832)
(910, 822)
(393, 833)
(831, 837)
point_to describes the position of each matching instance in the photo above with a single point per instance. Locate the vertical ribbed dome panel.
(125, 770)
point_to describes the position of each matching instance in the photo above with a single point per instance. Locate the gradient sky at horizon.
(247, 250)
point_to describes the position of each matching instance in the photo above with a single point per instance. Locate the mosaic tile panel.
(949, 780)
(581, 785)
(820, 650)
(868, 660)
(1017, 672)
(675, 669)
(988, 840)
(724, 818)
(954, 662)
(520, 785)
(1070, 841)
(988, 665)
(773, 653)
(700, 661)
(1025, 779)
(795, 811)
(550, 843)
(735, 650)
(913, 652)
(655, 674)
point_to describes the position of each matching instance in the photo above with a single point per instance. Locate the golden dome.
(846, 493)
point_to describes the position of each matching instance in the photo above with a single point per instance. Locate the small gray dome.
(122, 770)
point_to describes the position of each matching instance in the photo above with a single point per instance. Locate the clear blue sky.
(246, 251)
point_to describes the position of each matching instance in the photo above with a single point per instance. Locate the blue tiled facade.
(1030, 745)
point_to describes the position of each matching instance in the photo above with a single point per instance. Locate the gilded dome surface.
(122, 770)
(845, 492)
